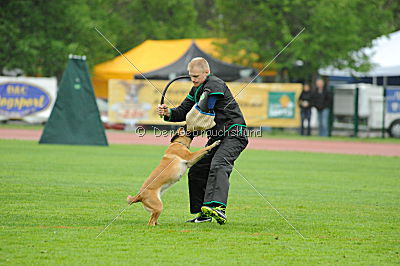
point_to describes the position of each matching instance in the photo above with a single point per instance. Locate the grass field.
(56, 199)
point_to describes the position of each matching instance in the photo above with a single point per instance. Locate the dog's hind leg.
(153, 204)
(154, 217)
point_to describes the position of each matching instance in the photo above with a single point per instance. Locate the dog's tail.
(134, 199)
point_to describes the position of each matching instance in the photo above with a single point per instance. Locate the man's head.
(319, 83)
(198, 70)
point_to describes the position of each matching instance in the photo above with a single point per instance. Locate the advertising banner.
(281, 104)
(262, 104)
(27, 98)
(393, 100)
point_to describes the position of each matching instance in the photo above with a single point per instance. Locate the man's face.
(320, 83)
(197, 76)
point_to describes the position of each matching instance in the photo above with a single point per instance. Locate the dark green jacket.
(227, 112)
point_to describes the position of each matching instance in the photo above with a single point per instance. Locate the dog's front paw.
(215, 143)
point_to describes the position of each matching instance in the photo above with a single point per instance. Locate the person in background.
(305, 109)
(321, 100)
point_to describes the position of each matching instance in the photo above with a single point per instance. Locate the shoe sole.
(206, 221)
(211, 213)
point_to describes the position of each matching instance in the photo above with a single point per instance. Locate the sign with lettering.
(20, 99)
(281, 104)
(25, 98)
(262, 104)
(393, 100)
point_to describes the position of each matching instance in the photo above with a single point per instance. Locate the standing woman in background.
(305, 108)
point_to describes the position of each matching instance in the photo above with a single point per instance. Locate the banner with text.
(27, 98)
(262, 104)
(393, 100)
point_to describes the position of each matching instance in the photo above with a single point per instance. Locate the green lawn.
(56, 199)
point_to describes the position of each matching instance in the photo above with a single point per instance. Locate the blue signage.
(393, 100)
(18, 99)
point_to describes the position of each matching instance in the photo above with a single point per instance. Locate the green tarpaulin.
(75, 118)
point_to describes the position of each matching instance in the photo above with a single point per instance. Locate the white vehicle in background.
(371, 104)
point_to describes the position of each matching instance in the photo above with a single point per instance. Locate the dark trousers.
(209, 177)
(305, 118)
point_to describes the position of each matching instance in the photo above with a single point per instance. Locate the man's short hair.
(199, 63)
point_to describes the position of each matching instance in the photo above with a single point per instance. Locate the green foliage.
(56, 199)
(145, 20)
(334, 33)
(38, 35)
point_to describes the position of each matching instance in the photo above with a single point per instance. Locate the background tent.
(163, 59)
(75, 118)
(223, 70)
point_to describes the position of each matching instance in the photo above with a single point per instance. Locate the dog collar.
(181, 144)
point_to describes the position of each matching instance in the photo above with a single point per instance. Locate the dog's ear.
(174, 137)
(181, 132)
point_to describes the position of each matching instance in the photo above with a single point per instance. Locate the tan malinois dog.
(176, 160)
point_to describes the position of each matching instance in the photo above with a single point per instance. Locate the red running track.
(328, 146)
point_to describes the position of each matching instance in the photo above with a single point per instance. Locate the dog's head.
(183, 137)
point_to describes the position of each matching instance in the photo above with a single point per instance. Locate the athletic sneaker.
(218, 213)
(201, 218)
